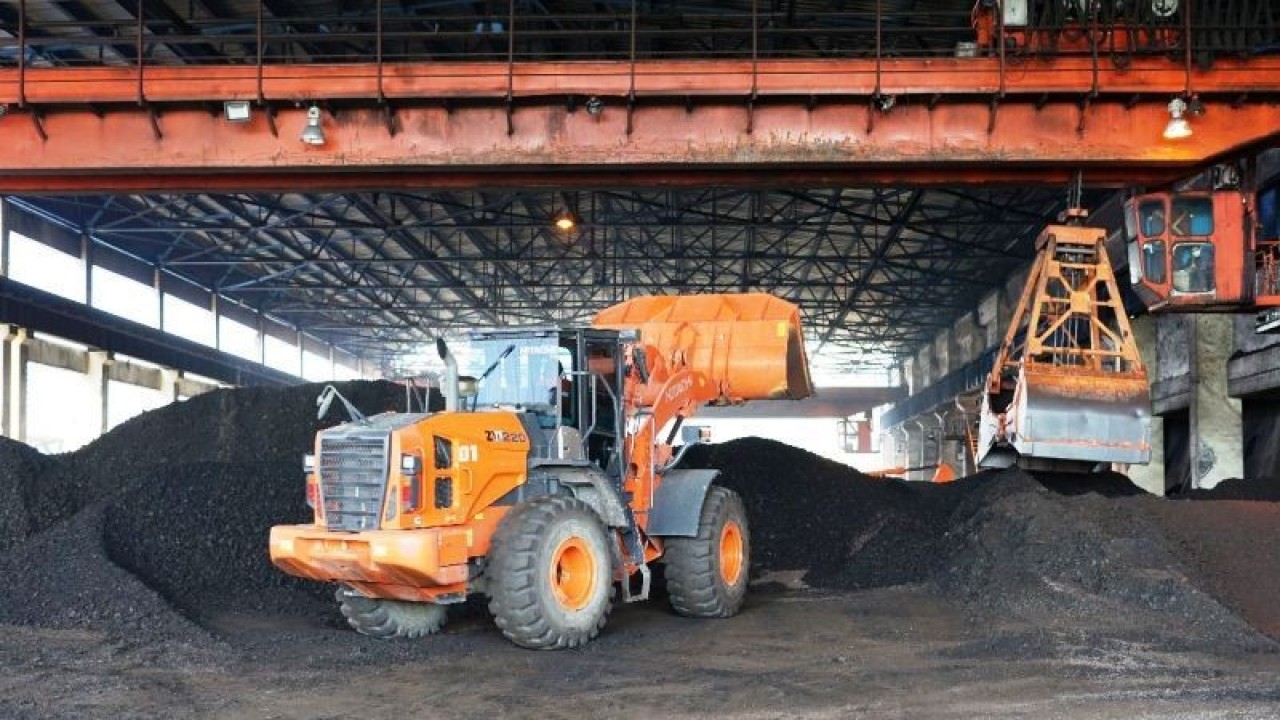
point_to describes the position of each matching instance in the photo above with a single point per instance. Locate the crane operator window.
(1269, 213)
(1193, 267)
(1192, 217)
(1153, 261)
(1152, 213)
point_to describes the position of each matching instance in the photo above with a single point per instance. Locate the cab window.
(1153, 261)
(1151, 214)
(1192, 217)
(1193, 267)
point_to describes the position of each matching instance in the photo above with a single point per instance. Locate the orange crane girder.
(953, 120)
(948, 144)
(731, 78)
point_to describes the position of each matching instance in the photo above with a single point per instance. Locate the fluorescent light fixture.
(236, 110)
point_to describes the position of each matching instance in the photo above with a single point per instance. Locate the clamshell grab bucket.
(749, 345)
(1075, 416)
(1068, 387)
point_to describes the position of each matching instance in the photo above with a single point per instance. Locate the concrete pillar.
(934, 430)
(86, 255)
(5, 385)
(915, 448)
(924, 366)
(942, 354)
(16, 385)
(262, 339)
(1150, 477)
(100, 388)
(169, 383)
(4, 240)
(888, 448)
(964, 341)
(1217, 451)
(158, 281)
(217, 320)
(987, 321)
(951, 440)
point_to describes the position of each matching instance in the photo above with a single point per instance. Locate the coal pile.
(1019, 548)
(1053, 550)
(1231, 548)
(158, 531)
(65, 579)
(214, 558)
(249, 425)
(164, 519)
(844, 529)
(18, 464)
(1235, 489)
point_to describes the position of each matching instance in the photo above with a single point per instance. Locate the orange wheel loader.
(551, 477)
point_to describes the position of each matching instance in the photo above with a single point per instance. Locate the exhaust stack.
(449, 384)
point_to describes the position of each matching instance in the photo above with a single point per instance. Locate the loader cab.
(564, 384)
(1191, 251)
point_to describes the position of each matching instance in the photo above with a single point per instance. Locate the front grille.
(353, 481)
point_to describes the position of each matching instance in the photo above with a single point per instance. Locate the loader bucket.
(749, 345)
(1067, 414)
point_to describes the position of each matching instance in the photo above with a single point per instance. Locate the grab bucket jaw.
(1062, 413)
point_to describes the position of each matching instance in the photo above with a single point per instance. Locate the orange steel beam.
(654, 78)
(570, 178)
(944, 129)
(470, 147)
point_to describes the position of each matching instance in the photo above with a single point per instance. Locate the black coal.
(158, 530)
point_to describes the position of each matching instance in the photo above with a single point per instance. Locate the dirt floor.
(140, 588)
(886, 653)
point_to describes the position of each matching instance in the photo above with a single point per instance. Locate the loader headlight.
(308, 463)
(410, 464)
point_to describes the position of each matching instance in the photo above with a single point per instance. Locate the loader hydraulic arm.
(692, 351)
(659, 403)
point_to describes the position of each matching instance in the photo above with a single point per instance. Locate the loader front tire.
(707, 574)
(386, 619)
(550, 577)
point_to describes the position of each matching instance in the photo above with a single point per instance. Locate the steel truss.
(877, 270)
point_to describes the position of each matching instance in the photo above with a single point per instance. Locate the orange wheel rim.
(573, 573)
(732, 551)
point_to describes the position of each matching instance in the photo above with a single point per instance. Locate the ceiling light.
(1178, 126)
(236, 110)
(566, 222)
(313, 133)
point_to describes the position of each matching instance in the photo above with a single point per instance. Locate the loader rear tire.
(707, 574)
(550, 576)
(386, 619)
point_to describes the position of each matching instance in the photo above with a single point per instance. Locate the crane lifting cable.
(1068, 389)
